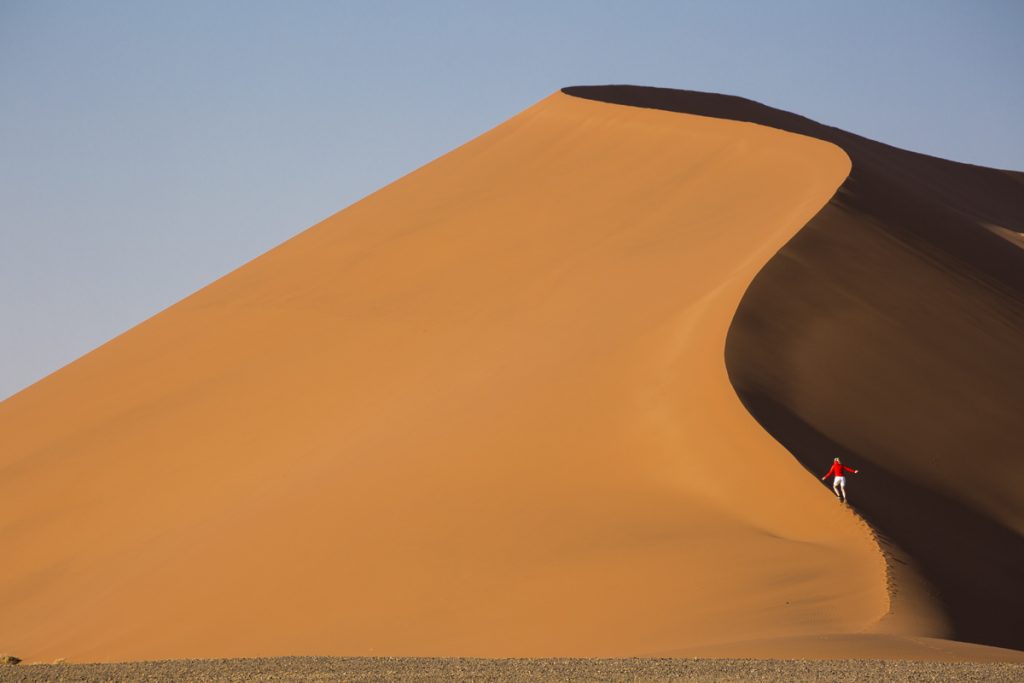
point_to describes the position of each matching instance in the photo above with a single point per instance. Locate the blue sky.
(147, 148)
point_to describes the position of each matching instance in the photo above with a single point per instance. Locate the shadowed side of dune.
(889, 331)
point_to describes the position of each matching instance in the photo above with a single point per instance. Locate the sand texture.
(486, 412)
(403, 669)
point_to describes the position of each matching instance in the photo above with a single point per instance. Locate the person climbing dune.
(839, 483)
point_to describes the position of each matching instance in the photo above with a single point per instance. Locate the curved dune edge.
(888, 330)
(482, 412)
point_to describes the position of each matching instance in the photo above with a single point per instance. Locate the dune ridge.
(888, 331)
(506, 406)
(482, 412)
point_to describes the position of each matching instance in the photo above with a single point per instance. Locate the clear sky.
(147, 148)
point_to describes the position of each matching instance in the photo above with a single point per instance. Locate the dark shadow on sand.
(890, 331)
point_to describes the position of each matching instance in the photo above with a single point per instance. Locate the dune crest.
(889, 331)
(482, 412)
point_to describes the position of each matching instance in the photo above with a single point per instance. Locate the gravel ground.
(413, 669)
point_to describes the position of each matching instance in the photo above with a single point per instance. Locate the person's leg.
(842, 488)
(836, 483)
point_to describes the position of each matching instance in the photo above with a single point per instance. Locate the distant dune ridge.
(509, 406)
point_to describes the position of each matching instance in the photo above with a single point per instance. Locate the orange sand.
(889, 331)
(482, 412)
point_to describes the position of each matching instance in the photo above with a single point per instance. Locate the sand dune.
(483, 412)
(890, 331)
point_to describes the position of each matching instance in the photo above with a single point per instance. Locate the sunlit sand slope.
(890, 332)
(483, 411)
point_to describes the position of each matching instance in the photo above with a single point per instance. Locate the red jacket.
(839, 470)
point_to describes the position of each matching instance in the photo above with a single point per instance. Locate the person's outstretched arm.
(849, 469)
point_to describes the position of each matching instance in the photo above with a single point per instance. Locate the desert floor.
(427, 669)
